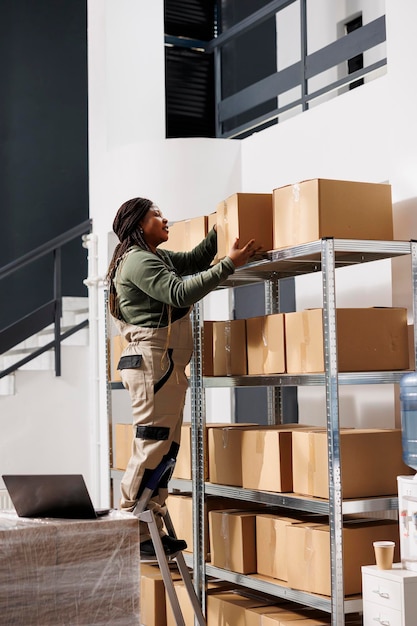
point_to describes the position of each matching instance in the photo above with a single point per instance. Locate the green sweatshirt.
(146, 283)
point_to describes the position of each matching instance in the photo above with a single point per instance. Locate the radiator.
(5, 502)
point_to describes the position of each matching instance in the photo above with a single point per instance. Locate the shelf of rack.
(278, 589)
(290, 500)
(290, 380)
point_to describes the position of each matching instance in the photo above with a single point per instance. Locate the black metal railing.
(297, 77)
(47, 314)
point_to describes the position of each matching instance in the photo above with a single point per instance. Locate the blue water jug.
(408, 398)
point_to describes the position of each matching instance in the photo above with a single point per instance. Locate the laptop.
(51, 495)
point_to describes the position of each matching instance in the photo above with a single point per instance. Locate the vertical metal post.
(58, 310)
(274, 400)
(304, 53)
(333, 430)
(197, 456)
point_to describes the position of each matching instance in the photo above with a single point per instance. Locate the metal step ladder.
(144, 514)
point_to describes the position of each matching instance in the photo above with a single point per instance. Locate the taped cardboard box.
(183, 465)
(225, 453)
(228, 608)
(153, 609)
(185, 235)
(312, 209)
(211, 222)
(224, 349)
(123, 440)
(265, 344)
(309, 546)
(245, 216)
(368, 339)
(271, 544)
(232, 540)
(267, 459)
(370, 461)
(185, 602)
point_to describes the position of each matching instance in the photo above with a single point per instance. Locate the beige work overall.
(152, 368)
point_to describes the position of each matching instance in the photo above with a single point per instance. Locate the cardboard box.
(267, 459)
(224, 350)
(232, 540)
(228, 608)
(265, 344)
(153, 610)
(212, 221)
(119, 343)
(185, 602)
(271, 544)
(318, 208)
(371, 460)
(225, 453)
(183, 465)
(368, 339)
(309, 546)
(123, 439)
(185, 235)
(245, 216)
(288, 617)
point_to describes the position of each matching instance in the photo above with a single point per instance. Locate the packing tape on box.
(265, 350)
(259, 445)
(296, 220)
(225, 437)
(227, 343)
(309, 556)
(225, 535)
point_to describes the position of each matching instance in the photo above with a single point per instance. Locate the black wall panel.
(43, 143)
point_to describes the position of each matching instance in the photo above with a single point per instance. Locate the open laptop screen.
(51, 495)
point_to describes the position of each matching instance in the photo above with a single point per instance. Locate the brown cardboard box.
(265, 344)
(271, 544)
(371, 460)
(246, 216)
(267, 459)
(368, 339)
(318, 208)
(123, 437)
(212, 221)
(186, 234)
(232, 540)
(180, 508)
(118, 345)
(309, 546)
(183, 465)
(288, 617)
(224, 348)
(225, 453)
(228, 608)
(153, 610)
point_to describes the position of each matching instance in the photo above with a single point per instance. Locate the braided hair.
(126, 225)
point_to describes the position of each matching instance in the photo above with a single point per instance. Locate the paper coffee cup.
(384, 553)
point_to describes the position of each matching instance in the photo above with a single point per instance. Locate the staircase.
(74, 311)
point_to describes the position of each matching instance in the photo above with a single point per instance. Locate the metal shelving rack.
(325, 256)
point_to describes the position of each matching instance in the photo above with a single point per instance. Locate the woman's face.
(155, 227)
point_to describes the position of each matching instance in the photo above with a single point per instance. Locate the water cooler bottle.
(407, 485)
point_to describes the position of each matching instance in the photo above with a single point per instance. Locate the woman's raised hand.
(241, 256)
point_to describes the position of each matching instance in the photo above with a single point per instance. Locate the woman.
(151, 303)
